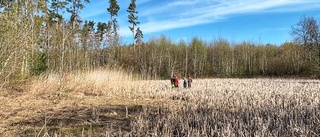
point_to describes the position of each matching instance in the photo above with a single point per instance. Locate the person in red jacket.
(176, 82)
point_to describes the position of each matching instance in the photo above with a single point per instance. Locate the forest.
(37, 39)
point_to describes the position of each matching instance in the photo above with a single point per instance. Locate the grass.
(110, 102)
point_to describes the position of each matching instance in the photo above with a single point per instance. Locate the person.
(185, 82)
(189, 81)
(172, 81)
(176, 82)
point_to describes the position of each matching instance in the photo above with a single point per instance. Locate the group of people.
(186, 82)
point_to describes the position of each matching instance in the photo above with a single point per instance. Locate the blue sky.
(258, 21)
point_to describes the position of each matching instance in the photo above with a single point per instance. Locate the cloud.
(158, 16)
(94, 9)
(140, 2)
(172, 14)
(156, 26)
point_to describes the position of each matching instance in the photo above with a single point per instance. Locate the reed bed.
(238, 107)
(110, 102)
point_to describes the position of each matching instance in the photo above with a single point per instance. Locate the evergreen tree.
(113, 10)
(138, 37)
(75, 8)
(54, 12)
(113, 37)
(133, 19)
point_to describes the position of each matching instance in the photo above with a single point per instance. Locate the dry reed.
(212, 107)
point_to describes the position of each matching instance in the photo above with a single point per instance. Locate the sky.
(258, 21)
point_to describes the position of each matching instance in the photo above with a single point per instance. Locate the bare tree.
(306, 33)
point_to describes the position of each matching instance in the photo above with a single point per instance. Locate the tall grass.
(97, 81)
(46, 95)
(212, 107)
(239, 107)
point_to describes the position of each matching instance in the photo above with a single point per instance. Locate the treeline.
(35, 38)
(160, 57)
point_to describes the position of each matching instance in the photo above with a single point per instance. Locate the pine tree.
(133, 19)
(113, 37)
(138, 37)
(75, 8)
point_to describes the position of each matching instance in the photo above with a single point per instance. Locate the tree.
(183, 46)
(113, 10)
(56, 6)
(133, 19)
(39, 63)
(101, 30)
(138, 37)
(306, 33)
(197, 57)
(113, 37)
(75, 8)
(87, 40)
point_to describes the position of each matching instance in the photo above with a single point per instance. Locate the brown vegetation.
(109, 102)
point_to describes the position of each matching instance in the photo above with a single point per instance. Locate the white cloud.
(140, 2)
(94, 9)
(182, 3)
(183, 13)
(157, 16)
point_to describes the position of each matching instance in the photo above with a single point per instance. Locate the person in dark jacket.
(189, 81)
(185, 83)
(172, 81)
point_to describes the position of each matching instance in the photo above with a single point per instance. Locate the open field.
(112, 103)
